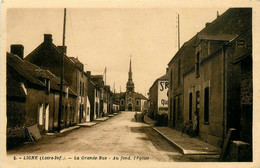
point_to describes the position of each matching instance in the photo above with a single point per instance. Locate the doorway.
(46, 124)
(174, 111)
(130, 107)
(197, 112)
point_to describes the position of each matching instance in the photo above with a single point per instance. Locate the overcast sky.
(107, 37)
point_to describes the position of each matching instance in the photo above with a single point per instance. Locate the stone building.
(130, 100)
(38, 103)
(48, 56)
(81, 90)
(91, 96)
(99, 84)
(211, 85)
(158, 97)
(179, 65)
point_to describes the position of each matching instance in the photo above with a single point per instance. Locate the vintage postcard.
(129, 84)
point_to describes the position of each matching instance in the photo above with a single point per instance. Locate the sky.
(107, 37)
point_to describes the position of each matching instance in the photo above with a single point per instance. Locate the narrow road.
(118, 136)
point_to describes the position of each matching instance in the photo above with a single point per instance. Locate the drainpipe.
(224, 94)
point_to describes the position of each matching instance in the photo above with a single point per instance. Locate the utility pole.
(178, 32)
(62, 71)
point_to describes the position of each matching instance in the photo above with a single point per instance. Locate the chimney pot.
(207, 24)
(88, 73)
(48, 38)
(17, 49)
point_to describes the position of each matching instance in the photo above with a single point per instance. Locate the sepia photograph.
(121, 86)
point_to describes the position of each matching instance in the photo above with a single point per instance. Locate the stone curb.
(174, 144)
(69, 129)
(63, 130)
(103, 119)
(87, 124)
(184, 151)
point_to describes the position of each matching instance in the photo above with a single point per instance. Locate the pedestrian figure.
(135, 116)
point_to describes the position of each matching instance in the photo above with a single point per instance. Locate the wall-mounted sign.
(163, 87)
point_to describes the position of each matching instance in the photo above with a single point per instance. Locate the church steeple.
(130, 71)
(130, 84)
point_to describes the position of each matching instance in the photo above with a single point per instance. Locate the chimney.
(207, 24)
(65, 48)
(88, 73)
(217, 14)
(17, 49)
(48, 38)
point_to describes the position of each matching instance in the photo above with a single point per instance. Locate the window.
(178, 106)
(122, 102)
(179, 71)
(47, 86)
(206, 105)
(197, 64)
(208, 48)
(171, 80)
(137, 102)
(80, 89)
(190, 106)
(129, 99)
(83, 89)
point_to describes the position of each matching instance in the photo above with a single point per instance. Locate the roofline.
(157, 81)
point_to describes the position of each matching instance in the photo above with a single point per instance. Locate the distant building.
(99, 83)
(158, 97)
(81, 90)
(131, 100)
(91, 97)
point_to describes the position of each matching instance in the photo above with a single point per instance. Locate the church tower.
(130, 91)
(131, 100)
(130, 86)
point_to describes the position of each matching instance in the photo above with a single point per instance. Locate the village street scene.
(100, 88)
